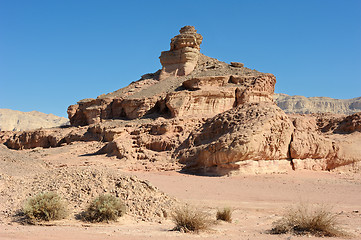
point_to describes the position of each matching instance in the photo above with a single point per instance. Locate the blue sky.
(54, 53)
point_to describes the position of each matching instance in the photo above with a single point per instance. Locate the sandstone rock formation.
(325, 141)
(11, 120)
(48, 137)
(301, 104)
(214, 117)
(251, 131)
(211, 88)
(182, 57)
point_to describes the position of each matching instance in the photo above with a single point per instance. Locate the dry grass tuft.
(191, 220)
(225, 214)
(304, 219)
(104, 208)
(45, 207)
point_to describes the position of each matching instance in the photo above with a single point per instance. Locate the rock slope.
(211, 88)
(11, 120)
(215, 118)
(79, 186)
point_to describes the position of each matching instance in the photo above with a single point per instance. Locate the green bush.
(104, 208)
(45, 207)
(190, 220)
(302, 220)
(225, 215)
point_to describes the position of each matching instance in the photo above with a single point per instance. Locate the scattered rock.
(237, 64)
(79, 186)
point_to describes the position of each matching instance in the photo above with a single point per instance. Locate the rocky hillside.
(201, 114)
(304, 105)
(11, 120)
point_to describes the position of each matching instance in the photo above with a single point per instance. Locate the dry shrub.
(45, 207)
(304, 219)
(104, 208)
(225, 214)
(188, 219)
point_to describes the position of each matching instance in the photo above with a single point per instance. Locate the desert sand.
(257, 199)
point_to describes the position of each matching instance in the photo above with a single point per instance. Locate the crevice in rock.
(289, 153)
(236, 103)
(292, 165)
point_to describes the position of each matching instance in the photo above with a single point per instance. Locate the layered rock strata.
(182, 57)
(217, 118)
(262, 131)
(231, 141)
(252, 131)
(325, 141)
(213, 87)
(308, 105)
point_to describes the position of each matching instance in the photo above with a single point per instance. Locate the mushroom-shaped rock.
(182, 57)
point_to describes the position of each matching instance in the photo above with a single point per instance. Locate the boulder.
(237, 64)
(254, 131)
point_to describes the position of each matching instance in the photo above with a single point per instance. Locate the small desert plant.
(303, 219)
(45, 207)
(187, 219)
(104, 208)
(225, 214)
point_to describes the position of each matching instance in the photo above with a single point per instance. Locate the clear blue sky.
(56, 52)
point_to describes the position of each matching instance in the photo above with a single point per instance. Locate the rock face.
(325, 141)
(251, 131)
(11, 120)
(211, 88)
(48, 138)
(198, 113)
(182, 57)
(95, 110)
(304, 105)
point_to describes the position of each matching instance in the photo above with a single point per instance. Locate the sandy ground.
(257, 200)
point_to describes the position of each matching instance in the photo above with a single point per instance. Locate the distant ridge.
(12, 120)
(305, 105)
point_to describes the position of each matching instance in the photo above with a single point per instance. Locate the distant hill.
(301, 104)
(12, 120)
